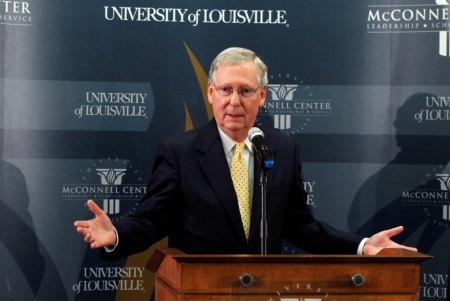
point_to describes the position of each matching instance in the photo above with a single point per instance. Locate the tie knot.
(239, 147)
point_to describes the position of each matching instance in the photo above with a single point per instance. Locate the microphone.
(256, 136)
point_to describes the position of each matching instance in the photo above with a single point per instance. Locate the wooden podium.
(391, 275)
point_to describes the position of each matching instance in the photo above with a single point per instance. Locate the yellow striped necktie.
(239, 175)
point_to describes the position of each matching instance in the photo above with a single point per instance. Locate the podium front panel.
(215, 278)
(392, 275)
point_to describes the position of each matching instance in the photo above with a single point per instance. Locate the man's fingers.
(82, 230)
(94, 208)
(84, 224)
(411, 249)
(395, 231)
(87, 238)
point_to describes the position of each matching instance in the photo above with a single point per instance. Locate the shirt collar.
(229, 143)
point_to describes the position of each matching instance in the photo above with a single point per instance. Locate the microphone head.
(254, 131)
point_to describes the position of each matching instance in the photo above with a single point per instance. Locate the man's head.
(234, 56)
(236, 90)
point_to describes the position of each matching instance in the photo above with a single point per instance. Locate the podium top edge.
(386, 256)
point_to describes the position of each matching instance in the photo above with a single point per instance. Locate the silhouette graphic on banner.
(31, 259)
(410, 190)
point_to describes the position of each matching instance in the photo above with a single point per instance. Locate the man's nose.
(235, 98)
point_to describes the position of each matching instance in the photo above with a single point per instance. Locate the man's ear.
(210, 92)
(263, 94)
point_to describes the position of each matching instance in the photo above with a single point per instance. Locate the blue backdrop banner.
(89, 88)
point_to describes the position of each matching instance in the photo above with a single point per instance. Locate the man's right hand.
(99, 231)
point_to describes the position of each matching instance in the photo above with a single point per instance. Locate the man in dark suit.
(193, 199)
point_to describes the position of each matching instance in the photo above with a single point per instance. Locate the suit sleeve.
(305, 232)
(152, 220)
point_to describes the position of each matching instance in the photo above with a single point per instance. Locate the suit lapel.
(215, 166)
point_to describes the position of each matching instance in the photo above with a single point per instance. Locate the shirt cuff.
(111, 248)
(360, 247)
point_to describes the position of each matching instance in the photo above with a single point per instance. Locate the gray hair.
(236, 55)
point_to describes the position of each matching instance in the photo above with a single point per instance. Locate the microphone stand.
(263, 225)
(264, 156)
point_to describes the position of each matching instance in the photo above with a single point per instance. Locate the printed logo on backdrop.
(104, 183)
(413, 18)
(113, 104)
(444, 34)
(103, 279)
(196, 16)
(89, 106)
(290, 105)
(438, 288)
(438, 109)
(15, 13)
(309, 188)
(432, 198)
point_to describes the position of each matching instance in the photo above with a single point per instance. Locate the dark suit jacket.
(191, 199)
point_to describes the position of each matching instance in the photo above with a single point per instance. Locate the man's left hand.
(383, 240)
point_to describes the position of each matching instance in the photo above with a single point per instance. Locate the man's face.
(235, 114)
